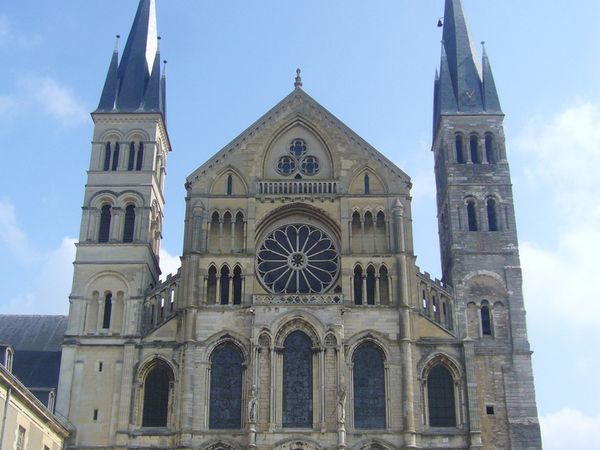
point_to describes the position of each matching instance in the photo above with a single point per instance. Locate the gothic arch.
(218, 184)
(303, 323)
(220, 445)
(149, 361)
(297, 444)
(372, 336)
(357, 181)
(373, 444)
(319, 134)
(264, 339)
(143, 370)
(228, 337)
(440, 358)
(306, 214)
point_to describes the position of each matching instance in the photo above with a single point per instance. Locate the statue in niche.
(252, 405)
(341, 405)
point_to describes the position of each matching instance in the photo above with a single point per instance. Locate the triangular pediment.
(298, 114)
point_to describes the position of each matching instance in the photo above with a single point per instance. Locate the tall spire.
(136, 84)
(491, 102)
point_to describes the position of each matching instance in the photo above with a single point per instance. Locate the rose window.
(297, 259)
(298, 161)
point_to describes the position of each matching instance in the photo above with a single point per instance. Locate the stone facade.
(298, 318)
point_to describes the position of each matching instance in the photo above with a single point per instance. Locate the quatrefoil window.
(298, 160)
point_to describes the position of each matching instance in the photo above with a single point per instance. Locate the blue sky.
(372, 65)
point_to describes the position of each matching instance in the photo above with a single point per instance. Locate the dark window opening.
(157, 387)
(489, 410)
(140, 157)
(297, 381)
(107, 155)
(369, 387)
(104, 231)
(107, 311)
(358, 297)
(472, 215)
(367, 185)
(237, 286)
(492, 215)
(100, 366)
(229, 184)
(211, 285)
(226, 388)
(486, 321)
(224, 285)
(474, 145)
(460, 157)
(370, 285)
(384, 290)
(95, 414)
(115, 158)
(129, 228)
(131, 161)
(489, 149)
(440, 393)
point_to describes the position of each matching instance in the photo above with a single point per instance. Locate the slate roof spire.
(134, 84)
(463, 86)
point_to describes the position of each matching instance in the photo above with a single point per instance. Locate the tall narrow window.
(440, 395)
(131, 161)
(107, 311)
(211, 286)
(104, 231)
(369, 387)
(129, 228)
(489, 148)
(107, 155)
(238, 243)
(474, 145)
(358, 294)
(367, 185)
(226, 388)
(115, 157)
(472, 215)
(460, 156)
(370, 285)
(157, 388)
(139, 162)
(384, 289)
(229, 184)
(237, 285)
(486, 321)
(492, 215)
(297, 381)
(224, 285)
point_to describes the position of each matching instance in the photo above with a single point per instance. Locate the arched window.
(358, 294)
(440, 396)
(460, 156)
(51, 401)
(237, 285)
(107, 156)
(131, 161)
(492, 215)
(224, 285)
(229, 184)
(129, 228)
(370, 285)
(356, 233)
(157, 389)
(297, 381)
(115, 157)
(226, 388)
(384, 289)
(139, 163)
(211, 286)
(472, 215)
(367, 185)
(369, 387)
(239, 232)
(8, 359)
(489, 149)
(474, 146)
(486, 321)
(107, 311)
(104, 229)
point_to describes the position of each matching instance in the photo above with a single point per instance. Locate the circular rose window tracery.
(297, 259)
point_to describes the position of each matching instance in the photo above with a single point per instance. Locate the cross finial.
(298, 82)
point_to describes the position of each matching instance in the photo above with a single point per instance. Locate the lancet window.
(371, 286)
(369, 232)
(226, 232)
(157, 387)
(369, 387)
(226, 388)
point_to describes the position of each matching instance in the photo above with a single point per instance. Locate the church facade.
(298, 319)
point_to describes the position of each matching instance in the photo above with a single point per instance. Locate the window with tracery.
(298, 161)
(226, 388)
(369, 387)
(297, 381)
(440, 393)
(298, 259)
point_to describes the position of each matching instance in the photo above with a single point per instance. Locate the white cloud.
(12, 236)
(56, 100)
(169, 264)
(570, 429)
(10, 37)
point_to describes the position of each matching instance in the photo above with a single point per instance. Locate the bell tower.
(117, 254)
(478, 240)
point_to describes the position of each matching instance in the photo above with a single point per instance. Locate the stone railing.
(297, 187)
(298, 299)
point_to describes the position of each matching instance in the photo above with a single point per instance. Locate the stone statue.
(341, 405)
(252, 405)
